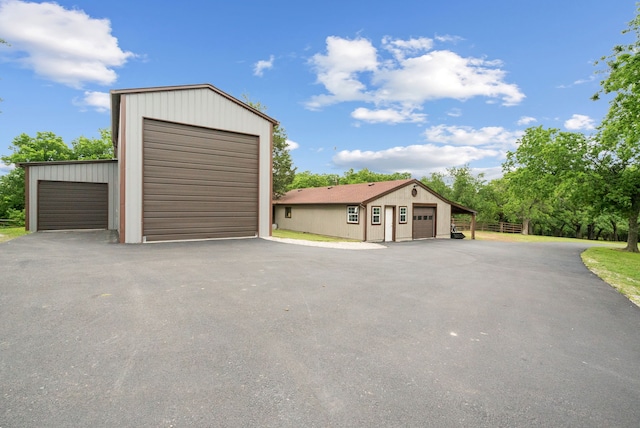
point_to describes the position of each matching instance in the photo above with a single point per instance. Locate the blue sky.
(417, 86)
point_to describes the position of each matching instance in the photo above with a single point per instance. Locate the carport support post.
(473, 226)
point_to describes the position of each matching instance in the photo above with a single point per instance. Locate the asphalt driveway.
(439, 333)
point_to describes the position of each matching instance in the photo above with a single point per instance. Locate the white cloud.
(493, 137)
(445, 74)
(526, 120)
(262, 65)
(388, 116)
(579, 122)
(292, 145)
(338, 71)
(5, 169)
(61, 45)
(416, 159)
(354, 70)
(100, 101)
(401, 48)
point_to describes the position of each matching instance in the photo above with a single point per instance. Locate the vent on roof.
(371, 184)
(330, 187)
(300, 190)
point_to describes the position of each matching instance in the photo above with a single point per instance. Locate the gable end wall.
(199, 107)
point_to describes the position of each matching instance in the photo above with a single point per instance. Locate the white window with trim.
(376, 216)
(352, 214)
(402, 215)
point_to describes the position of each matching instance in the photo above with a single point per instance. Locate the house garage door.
(198, 183)
(423, 222)
(70, 205)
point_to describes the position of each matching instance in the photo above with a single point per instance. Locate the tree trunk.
(614, 225)
(578, 231)
(632, 238)
(525, 226)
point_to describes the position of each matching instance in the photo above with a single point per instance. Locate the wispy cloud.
(492, 137)
(445, 146)
(416, 159)
(100, 101)
(526, 120)
(390, 115)
(292, 145)
(5, 169)
(262, 65)
(580, 122)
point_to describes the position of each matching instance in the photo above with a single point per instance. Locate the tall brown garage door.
(71, 205)
(423, 222)
(199, 183)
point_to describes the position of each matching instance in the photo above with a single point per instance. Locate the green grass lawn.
(290, 234)
(7, 233)
(618, 268)
(516, 237)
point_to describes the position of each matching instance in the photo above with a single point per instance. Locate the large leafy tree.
(617, 154)
(307, 179)
(548, 164)
(437, 182)
(93, 148)
(283, 171)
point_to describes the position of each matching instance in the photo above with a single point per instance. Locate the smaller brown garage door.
(70, 205)
(423, 222)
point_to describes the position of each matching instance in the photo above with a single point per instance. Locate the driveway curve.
(437, 333)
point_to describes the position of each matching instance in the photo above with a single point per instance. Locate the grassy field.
(7, 233)
(516, 237)
(290, 234)
(618, 268)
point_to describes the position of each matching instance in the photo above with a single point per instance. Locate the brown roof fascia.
(276, 202)
(460, 207)
(381, 194)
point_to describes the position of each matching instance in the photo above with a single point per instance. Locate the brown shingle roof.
(344, 194)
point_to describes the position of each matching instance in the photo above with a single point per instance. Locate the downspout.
(364, 209)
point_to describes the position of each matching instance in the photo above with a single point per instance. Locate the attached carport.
(459, 209)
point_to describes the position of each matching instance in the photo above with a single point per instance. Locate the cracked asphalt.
(240, 333)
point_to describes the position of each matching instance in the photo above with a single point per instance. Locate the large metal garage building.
(192, 163)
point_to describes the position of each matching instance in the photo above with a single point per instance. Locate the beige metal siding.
(199, 107)
(199, 183)
(85, 172)
(328, 220)
(71, 205)
(403, 198)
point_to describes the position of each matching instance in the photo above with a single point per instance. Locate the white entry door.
(388, 223)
